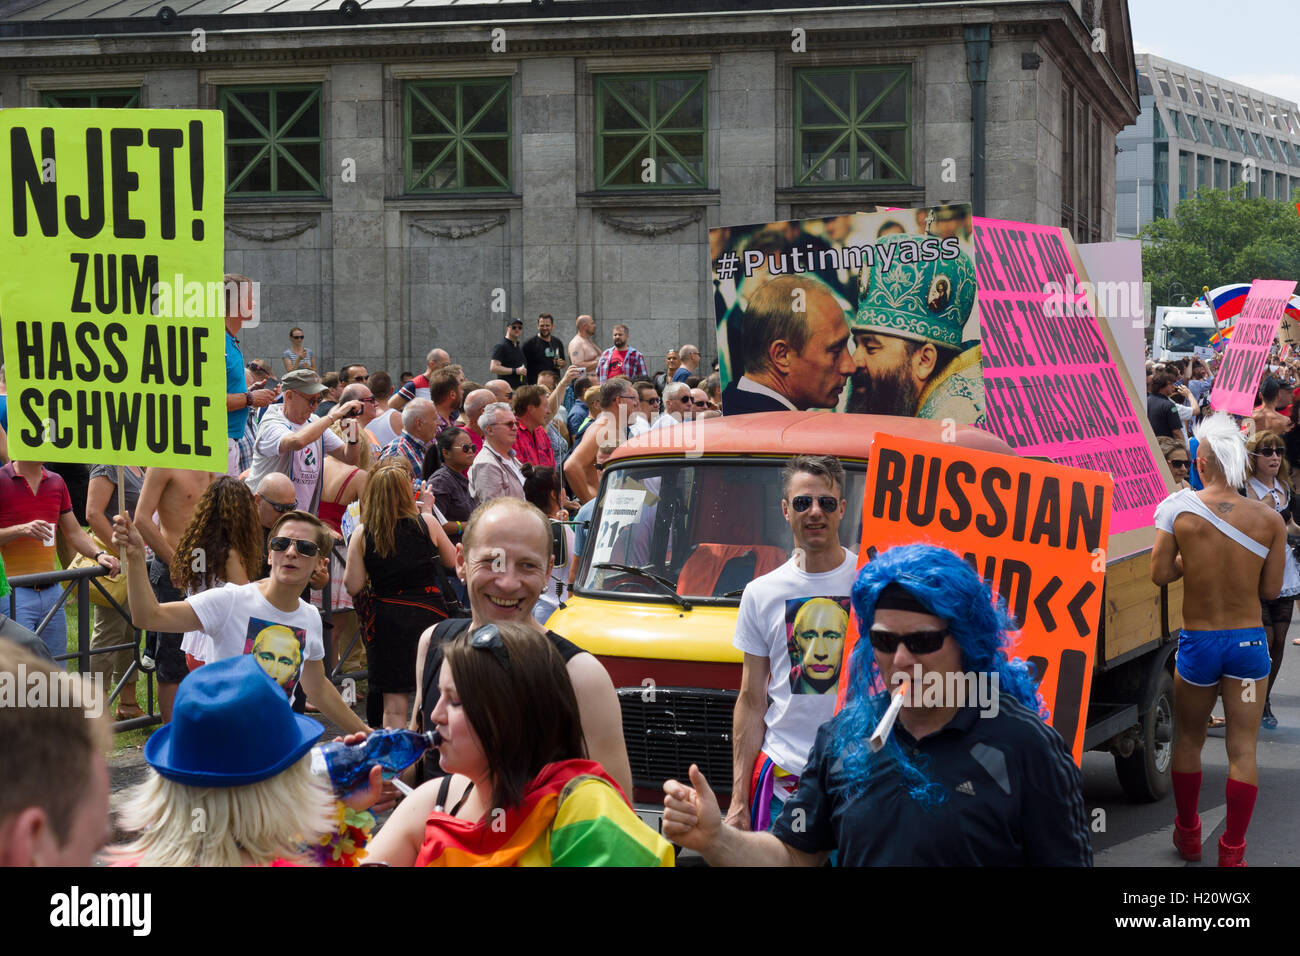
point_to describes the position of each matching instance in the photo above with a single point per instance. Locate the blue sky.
(1247, 41)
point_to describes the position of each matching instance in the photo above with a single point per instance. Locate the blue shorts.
(1206, 656)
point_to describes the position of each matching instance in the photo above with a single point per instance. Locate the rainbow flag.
(1221, 338)
(572, 814)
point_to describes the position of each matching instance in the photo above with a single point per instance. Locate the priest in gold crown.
(907, 335)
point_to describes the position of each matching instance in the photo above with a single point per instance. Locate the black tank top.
(443, 632)
(411, 565)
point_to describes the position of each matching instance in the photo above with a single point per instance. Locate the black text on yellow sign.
(113, 310)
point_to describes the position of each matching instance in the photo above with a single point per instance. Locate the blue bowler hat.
(231, 725)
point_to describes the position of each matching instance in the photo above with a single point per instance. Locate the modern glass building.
(1196, 130)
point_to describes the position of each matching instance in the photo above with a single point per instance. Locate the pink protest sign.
(1052, 384)
(1239, 375)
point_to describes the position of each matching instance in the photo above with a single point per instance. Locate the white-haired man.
(677, 405)
(495, 472)
(419, 427)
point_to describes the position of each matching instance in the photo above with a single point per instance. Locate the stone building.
(401, 176)
(1198, 130)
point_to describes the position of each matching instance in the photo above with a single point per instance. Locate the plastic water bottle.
(348, 767)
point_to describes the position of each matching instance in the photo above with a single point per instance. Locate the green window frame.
(457, 135)
(849, 118)
(274, 144)
(91, 99)
(661, 117)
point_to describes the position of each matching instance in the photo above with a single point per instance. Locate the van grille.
(678, 727)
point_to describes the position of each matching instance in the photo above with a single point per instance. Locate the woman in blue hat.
(231, 782)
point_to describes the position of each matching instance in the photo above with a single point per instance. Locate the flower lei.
(345, 846)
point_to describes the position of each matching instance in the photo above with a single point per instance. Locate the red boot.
(1232, 855)
(1187, 840)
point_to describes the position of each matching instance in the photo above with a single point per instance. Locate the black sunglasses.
(700, 404)
(918, 642)
(488, 638)
(282, 509)
(1179, 463)
(466, 448)
(295, 336)
(801, 503)
(308, 549)
(1269, 452)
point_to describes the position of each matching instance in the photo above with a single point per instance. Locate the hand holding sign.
(126, 539)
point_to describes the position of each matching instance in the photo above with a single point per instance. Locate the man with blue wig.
(958, 782)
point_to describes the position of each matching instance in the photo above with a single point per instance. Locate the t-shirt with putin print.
(238, 619)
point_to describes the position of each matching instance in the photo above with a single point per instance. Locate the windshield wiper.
(669, 588)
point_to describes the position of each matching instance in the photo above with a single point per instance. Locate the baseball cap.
(302, 380)
(517, 321)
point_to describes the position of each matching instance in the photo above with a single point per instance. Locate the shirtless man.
(166, 504)
(582, 347)
(1222, 649)
(619, 400)
(1266, 416)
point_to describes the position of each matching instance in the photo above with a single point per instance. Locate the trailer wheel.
(1144, 774)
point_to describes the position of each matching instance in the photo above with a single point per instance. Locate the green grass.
(129, 738)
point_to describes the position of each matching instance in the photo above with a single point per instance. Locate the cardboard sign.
(1203, 352)
(112, 298)
(1053, 387)
(1035, 531)
(1243, 363)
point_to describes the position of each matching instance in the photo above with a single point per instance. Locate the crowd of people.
(401, 510)
(430, 518)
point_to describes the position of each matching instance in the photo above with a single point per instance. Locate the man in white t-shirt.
(791, 628)
(266, 618)
(292, 440)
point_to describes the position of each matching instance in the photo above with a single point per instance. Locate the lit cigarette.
(886, 724)
(402, 787)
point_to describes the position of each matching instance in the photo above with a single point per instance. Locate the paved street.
(1141, 834)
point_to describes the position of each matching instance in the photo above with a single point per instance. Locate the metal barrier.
(82, 579)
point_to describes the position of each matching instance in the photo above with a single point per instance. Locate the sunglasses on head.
(917, 642)
(257, 368)
(1269, 452)
(308, 549)
(282, 509)
(488, 638)
(801, 503)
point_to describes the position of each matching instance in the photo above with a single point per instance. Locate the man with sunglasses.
(275, 497)
(291, 439)
(776, 718)
(956, 783)
(233, 615)
(496, 470)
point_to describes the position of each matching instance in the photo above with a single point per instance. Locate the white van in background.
(1178, 331)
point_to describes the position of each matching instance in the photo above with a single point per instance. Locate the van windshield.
(1182, 338)
(706, 528)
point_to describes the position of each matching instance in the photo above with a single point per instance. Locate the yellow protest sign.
(111, 297)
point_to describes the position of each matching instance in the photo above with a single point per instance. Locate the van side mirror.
(559, 544)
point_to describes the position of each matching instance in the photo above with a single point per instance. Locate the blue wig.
(944, 583)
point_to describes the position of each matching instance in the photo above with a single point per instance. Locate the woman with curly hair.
(395, 553)
(222, 543)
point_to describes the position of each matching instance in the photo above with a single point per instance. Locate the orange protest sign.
(1035, 531)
